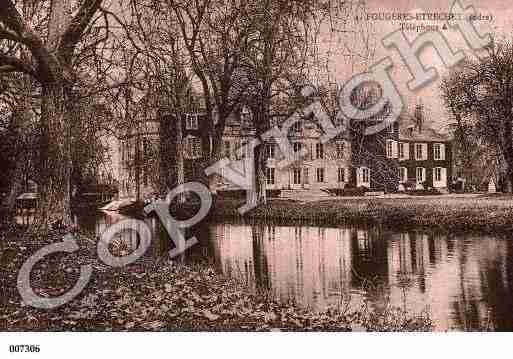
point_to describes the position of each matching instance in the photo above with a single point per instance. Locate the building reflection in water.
(309, 264)
(464, 282)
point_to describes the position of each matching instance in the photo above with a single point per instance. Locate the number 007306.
(22, 348)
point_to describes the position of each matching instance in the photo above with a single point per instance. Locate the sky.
(501, 24)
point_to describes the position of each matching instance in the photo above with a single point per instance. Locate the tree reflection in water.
(464, 281)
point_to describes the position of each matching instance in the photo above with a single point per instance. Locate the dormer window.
(191, 121)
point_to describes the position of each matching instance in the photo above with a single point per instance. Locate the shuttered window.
(439, 151)
(319, 150)
(404, 151)
(269, 175)
(341, 174)
(320, 175)
(390, 150)
(403, 174)
(191, 122)
(421, 151)
(421, 174)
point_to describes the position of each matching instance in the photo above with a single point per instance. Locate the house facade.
(195, 148)
(136, 155)
(148, 154)
(405, 155)
(317, 166)
(374, 159)
(425, 156)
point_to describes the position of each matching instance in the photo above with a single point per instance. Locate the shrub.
(238, 193)
(348, 191)
(410, 185)
(424, 192)
(273, 193)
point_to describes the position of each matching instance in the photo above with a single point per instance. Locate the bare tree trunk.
(259, 178)
(17, 175)
(137, 166)
(508, 185)
(53, 53)
(180, 165)
(15, 189)
(21, 118)
(55, 162)
(55, 152)
(260, 120)
(508, 148)
(59, 19)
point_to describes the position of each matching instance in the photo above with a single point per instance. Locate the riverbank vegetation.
(163, 295)
(482, 213)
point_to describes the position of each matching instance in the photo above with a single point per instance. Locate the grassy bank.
(484, 213)
(160, 296)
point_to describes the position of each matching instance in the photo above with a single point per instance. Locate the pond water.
(464, 281)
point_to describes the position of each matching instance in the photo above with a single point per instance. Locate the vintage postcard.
(255, 166)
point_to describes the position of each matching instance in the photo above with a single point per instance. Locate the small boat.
(119, 204)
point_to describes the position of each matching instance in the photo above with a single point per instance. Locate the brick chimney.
(419, 116)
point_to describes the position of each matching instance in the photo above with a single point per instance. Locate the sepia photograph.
(243, 166)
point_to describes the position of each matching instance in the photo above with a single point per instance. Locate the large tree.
(215, 35)
(274, 65)
(479, 95)
(52, 50)
(81, 60)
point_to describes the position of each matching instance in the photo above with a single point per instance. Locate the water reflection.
(464, 281)
(127, 237)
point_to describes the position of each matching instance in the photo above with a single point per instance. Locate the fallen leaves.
(163, 296)
(210, 316)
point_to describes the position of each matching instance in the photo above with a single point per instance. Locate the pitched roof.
(311, 126)
(409, 131)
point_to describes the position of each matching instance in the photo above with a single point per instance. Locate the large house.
(407, 155)
(148, 154)
(321, 165)
(374, 158)
(425, 155)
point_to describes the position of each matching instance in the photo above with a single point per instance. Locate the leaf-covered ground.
(157, 296)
